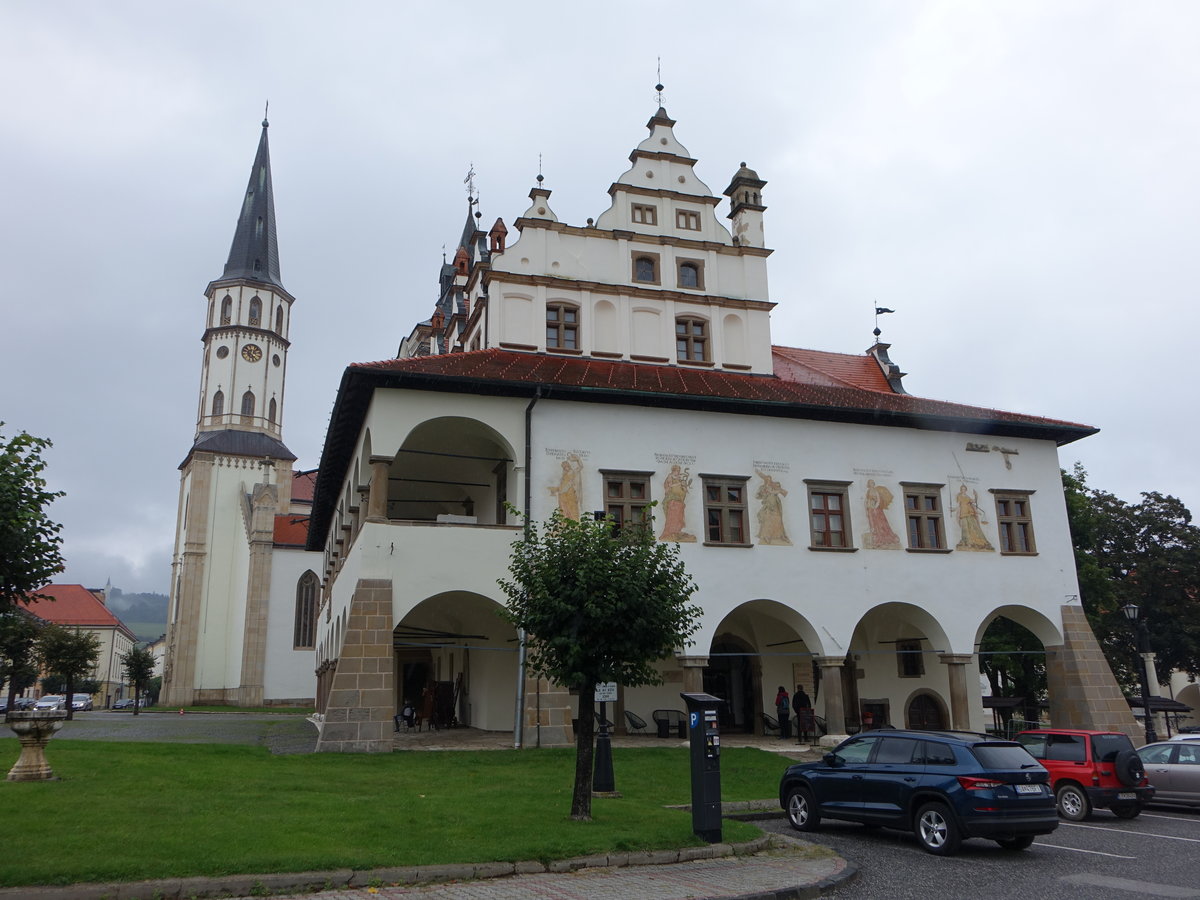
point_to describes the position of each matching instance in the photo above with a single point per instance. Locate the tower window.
(257, 266)
(255, 312)
(562, 327)
(687, 219)
(691, 339)
(227, 310)
(258, 228)
(279, 319)
(218, 404)
(247, 405)
(645, 268)
(272, 410)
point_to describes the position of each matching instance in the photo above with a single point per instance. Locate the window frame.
(622, 508)
(827, 488)
(655, 260)
(1009, 522)
(923, 517)
(308, 589)
(255, 314)
(698, 265)
(705, 339)
(727, 511)
(687, 219)
(910, 658)
(561, 326)
(648, 214)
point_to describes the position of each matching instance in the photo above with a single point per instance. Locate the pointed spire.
(254, 253)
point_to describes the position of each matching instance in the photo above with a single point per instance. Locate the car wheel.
(1022, 842)
(802, 810)
(1129, 811)
(1129, 768)
(936, 829)
(1073, 804)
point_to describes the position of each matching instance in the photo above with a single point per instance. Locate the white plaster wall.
(290, 673)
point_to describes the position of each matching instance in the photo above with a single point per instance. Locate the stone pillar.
(378, 491)
(960, 711)
(361, 703)
(1083, 692)
(549, 709)
(693, 673)
(831, 691)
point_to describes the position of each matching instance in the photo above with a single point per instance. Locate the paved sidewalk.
(777, 867)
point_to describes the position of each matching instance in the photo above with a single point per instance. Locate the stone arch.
(1043, 628)
(918, 706)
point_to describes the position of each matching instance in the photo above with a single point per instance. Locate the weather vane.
(266, 107)
(880, 311)
(658, 86)
(469, 181)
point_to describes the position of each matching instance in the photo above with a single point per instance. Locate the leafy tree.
(1014, 662)
(29, 541)
(139, 669)
(1147, 553)
(18, 651)
(69, 653)
(599, 604)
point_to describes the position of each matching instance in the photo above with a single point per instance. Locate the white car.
(51, 701)
(1184, 737)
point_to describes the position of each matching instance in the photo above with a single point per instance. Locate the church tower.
(237, 476)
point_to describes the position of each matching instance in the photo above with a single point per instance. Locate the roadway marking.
(1126, 884)
(1147, 815)
(1165, 837)
(1077, 850)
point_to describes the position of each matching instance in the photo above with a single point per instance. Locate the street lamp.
(1143, 645)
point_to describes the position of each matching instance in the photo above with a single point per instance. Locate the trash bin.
(664, 727)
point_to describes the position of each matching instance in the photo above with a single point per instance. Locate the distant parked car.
(51, 701)
(1185, 736)
(1173, 767)
(1091, 770)
(24, 703)
(81, 702)
(123, 703)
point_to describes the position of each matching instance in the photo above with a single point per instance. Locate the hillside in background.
(143, 614)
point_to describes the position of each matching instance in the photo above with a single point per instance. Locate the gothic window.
(272, 411)
(279, 319)
(691, 339)
(255, 312)
(218, 407)
(248, 405)
(227, 310)
(306, 611)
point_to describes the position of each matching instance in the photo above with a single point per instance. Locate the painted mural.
(676, 487)
(770, 494)
(570, 486)
(970, 521)
(880, 536)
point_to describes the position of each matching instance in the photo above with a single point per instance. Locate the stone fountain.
(34, 729)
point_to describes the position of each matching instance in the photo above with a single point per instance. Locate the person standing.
(783, 712)
(804, 714)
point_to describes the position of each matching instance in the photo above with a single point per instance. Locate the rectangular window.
(923, 516)
(1015, 522)
(645, 267)
(828, 515)
(562, 327)
(643, 214)
(689, 274)
(687, 219)
(626, 496)
(725, 509)
(910, 663)
(691, 339)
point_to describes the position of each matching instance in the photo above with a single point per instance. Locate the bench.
(666, 719)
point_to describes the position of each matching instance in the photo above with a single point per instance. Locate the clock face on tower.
(251, 353)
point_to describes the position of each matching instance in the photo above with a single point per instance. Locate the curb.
(302, 882)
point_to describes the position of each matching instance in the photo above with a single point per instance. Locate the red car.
(1090, 770)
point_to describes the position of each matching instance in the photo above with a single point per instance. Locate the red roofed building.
(74, 606)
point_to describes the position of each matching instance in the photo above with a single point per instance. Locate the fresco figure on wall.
(969, 522)
(569, 486)
(880, 537)
(675, 490)
(770, 514)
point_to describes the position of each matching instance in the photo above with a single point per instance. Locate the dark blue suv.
(945, 786)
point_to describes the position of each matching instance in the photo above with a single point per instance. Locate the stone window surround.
(655, 258)
(924, 489)
(1009, 522)
(725, 507)
(826, 487)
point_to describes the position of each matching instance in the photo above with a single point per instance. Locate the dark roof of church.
(254, 253)
(240, 443)
(807, 384)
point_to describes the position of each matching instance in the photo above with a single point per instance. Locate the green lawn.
(126, 811)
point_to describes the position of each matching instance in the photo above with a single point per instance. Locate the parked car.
(944, 786)
(51, 701)
(1174, 770)
(81, 702)
(24, 703)
(1185, 736)
(123, 703)
(1091, 770)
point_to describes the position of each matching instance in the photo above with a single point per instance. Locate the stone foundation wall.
(549, 709)
(362, 696)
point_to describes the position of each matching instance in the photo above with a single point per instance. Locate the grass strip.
(127, 811)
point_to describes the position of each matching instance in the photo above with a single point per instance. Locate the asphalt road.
(1154, 855)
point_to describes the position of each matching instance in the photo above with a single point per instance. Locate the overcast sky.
(1018, 180)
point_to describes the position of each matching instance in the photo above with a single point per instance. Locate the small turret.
(746, 207)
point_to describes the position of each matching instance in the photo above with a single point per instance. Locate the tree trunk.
(137, 695)
(581, 800)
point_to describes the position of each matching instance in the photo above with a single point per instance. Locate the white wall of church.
(289, 672)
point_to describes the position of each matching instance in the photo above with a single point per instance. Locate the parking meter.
(705, 743)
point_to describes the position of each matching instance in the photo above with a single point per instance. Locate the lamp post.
(1143, 645)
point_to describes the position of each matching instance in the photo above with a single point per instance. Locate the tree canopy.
(18, 651)
(599, 604)
(69, 653)
(139, 669)
(29, 541)
(1148, 553)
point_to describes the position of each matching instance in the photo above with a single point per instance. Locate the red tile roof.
(291, 531)
(303, 484)
(73, 604)
(837, 369)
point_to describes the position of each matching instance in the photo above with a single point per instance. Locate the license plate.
(1127, 795)
(1029, 788)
